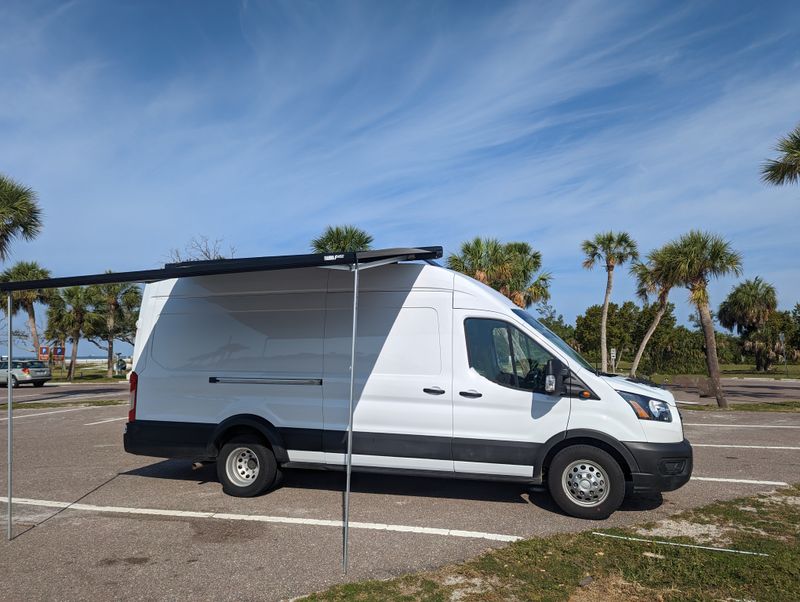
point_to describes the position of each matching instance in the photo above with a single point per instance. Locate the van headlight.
(647, 408)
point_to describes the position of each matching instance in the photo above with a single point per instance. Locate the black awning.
(230, 266)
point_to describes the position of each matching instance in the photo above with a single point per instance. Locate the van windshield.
(553, 338)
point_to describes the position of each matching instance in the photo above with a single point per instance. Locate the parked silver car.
(25, 372)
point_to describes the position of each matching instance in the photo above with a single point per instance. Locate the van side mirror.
(554, 377)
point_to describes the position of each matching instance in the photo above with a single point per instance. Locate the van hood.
(620, 383)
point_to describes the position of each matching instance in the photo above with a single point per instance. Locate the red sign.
(44, 353)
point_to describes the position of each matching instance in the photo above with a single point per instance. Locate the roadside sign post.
(614, 359)
(782, 339)
(59, 352)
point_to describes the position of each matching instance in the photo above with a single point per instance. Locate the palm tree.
(521, 286)
(68, 316)
(342, 239)
(652, 278)
(691, 261)
(26, 300)
(483, 259)
(116, 309)
(512, 268)
(20, 215)
(747, 309)
(609, 250)
(786, 169)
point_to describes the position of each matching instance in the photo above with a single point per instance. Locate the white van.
(451, 379)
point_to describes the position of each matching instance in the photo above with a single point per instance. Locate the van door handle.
(433, 390)
(472, 394)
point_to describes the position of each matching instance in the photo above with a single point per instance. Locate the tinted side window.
(505, 355)
(489, 350)
(530, 361)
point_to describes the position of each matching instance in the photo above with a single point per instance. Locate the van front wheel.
(246, 468)
(586, 482)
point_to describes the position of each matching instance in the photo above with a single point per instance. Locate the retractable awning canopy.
(232, 266)
(354, 261)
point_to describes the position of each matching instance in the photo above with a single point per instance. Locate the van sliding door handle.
(472, 394)
(433, 390)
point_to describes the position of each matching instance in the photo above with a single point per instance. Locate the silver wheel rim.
(585, 483)
(242, 466)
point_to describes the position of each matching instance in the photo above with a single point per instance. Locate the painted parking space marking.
(290, 520)
(783, 447)
(743, 426)
(744, 481)
(106, 420)
(681, 545)
(18, 416)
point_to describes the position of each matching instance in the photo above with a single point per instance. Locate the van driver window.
(505, 355)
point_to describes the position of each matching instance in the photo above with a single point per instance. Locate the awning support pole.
(349, 462)
(10, 390)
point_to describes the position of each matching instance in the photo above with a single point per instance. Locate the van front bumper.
(661, 466)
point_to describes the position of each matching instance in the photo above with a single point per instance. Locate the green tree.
(609, 250)
(651, 279)
(785, 169)
(115, 311)
(20, 215)
(793, 336)
(342, 239)
(692, 260)
(620, 331)
(26, 300)
(511, 268)
(68, 316)
(747, 310)
(556, 322)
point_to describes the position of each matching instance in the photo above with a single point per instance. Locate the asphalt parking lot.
(65, 392)
(152, 529)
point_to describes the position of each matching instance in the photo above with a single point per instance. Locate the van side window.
(505, 355)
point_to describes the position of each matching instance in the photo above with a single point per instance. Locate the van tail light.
(132, 402)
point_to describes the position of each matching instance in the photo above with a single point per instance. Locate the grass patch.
(35, 405)
(587, 567)
(766, 406)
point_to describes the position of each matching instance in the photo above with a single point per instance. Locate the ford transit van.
(252, 370)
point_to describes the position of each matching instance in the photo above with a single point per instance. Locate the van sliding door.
(403, 399)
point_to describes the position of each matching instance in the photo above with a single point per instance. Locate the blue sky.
(142, 124)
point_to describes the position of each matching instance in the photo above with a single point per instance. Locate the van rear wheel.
(246, 467)
(586, 482)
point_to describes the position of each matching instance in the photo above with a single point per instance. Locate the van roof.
(232, 266)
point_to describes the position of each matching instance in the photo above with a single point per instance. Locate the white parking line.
(18, 416)
(264, 519)
(745, 446)
(745, 426)
(104, 421)
(681, 545)
(745, 481)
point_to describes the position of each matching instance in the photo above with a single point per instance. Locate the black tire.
(38, 384)
(14, 382)
(603, 496)
(250, 451)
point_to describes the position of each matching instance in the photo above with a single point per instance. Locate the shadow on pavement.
(388, 484)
